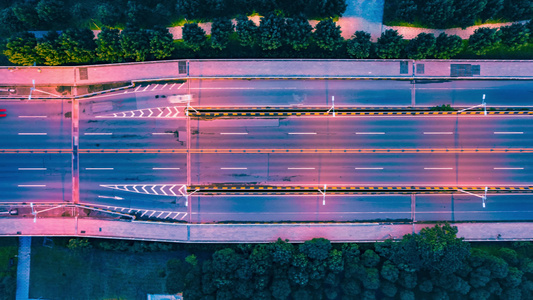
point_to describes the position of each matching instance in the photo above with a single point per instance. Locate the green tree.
(336, 262)
(370, 259)
(408, 279)
(135, 43)
(513, 278)
(389, 271)
(484, 39)
(325, 8)
(190, 9)
(514, 36)
(317, 248)
(51, 12)
(406, 10)
(161, 43)
(136, 13)
(9, 23)
(388, 288)
(371, 279)
(194, 36)
(174, 272)
(447, 46)
(49, 50)
(26, 13)
(517, 10)
(280, 289)
(437, 13)
(359, 45)
(261, 260)
(328, 35)
(282, 252)
(77, 45)
(529, 26)
(20, 49)
(79, 244)
(108, 48)
(270, 32)
(221, 30)
(390, 44)
(246, 31)
(108, 13)
(467, 11)
(421, 47)
(298, 32)
(491, 10)
(80, 11)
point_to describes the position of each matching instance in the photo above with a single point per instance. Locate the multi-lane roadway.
(467, 150)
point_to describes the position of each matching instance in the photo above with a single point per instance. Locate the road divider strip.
(269, 151)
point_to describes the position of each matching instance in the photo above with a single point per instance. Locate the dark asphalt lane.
(36, 124)
(35, 177)
(132, 169)
(457, 207)
(364, 132)
(358, 92)
(133, 134)
(299, 208)
(440, 169)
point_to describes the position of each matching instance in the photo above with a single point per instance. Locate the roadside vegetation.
(443, 14)
(433, 264)
(8, 268)
(139, 33)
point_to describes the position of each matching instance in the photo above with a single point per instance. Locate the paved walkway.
(23, 268)
(246, 233)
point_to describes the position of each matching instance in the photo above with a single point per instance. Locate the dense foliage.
(433, 264)
(276, 36)
(455, 13)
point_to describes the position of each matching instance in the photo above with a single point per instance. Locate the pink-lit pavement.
(241, 233)
(276, 68)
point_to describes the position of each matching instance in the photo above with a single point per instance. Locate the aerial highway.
(139, 152)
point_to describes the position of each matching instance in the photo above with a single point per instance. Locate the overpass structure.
(311, 152)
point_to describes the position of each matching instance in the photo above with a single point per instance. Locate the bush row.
(58, 14)
(458, 13)
(433, 264)
(274, 37)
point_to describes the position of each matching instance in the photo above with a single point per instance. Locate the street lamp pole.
(323, 192)
(483, 104)
(483, 197)
(332, 106)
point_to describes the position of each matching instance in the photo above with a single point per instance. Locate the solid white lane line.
(33, 133)
(239, 133)
(438, 168)
(172, 86)
(438, 132)
(165, 168)
(370, 133)
(98, 133)
(300, 168)
(369, 168)
(233, 168)
(508, 168)
(181, 85)
(302, 132)
(162, 133)
(146, 87)
(508, 132)
(137, 88)
(31, 185)
(32, 169)
(99, 168)
(33, 117)
(222, 88)
(154, 87)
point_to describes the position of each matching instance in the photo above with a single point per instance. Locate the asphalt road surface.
(35, 177)
(457, 207)
(363, 132)
(36, 124)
